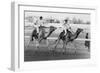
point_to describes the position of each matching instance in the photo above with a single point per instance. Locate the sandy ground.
(31, 53)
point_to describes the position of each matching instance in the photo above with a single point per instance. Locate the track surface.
(43, 53)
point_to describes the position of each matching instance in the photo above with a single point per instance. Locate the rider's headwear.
(41, 17)
(66, 20)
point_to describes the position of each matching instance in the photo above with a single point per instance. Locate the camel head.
(79, 30)
(52, 28)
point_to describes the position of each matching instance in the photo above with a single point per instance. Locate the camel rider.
(66, 26)
(38, 23)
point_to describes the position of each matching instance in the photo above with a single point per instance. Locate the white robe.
(38, 24)
(65, 27)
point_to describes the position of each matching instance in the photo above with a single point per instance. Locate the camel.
(69, 37)
(43, 35)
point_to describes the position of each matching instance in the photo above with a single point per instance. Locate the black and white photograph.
(50, 35)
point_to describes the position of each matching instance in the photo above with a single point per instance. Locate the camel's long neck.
(76, 34)
(50, 33)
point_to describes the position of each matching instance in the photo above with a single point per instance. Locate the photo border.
(15, 59)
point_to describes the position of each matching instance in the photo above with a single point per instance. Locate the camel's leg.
(37, 44)
(48, 45)
(57, 43)
(40, 39)
(75, 47)
(47, 42)
(64, 46)
(56, 46)
(29, 42)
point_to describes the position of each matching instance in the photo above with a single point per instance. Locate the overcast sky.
(60, 16)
